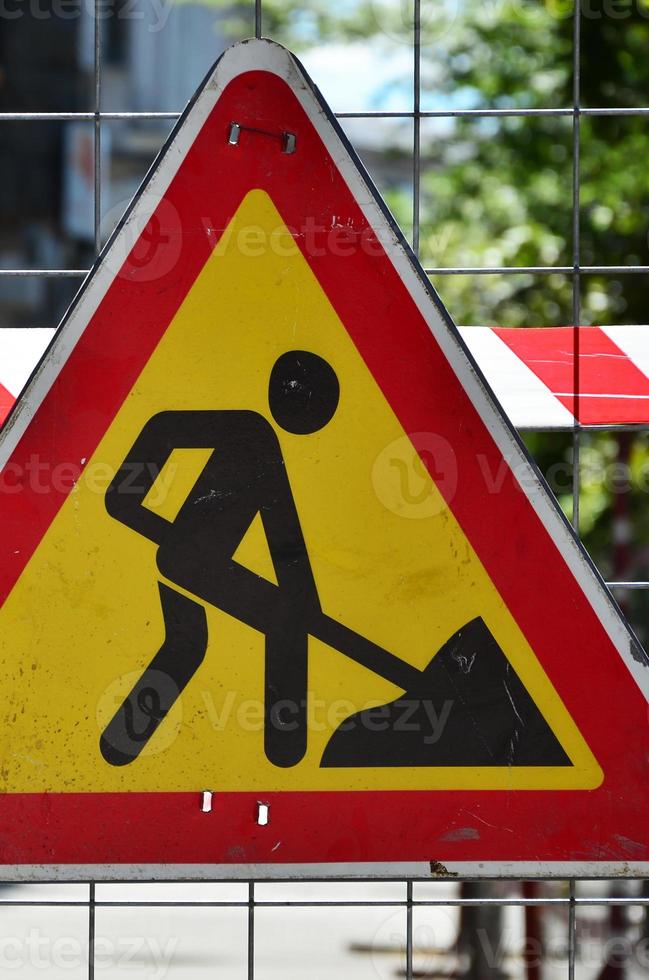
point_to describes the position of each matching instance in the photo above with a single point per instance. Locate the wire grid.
(572, 901)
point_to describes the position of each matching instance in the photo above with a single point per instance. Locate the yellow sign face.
(386, 585)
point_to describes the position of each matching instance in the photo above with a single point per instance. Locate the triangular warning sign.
(265, 532)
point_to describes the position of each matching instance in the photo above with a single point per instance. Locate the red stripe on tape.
(611, 388)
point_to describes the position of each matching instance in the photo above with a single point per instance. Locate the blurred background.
(495, 191)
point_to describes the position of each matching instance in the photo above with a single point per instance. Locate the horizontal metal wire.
(628, 585)
(502, 270)
(367, 114)
(497, 112)
(45, 273)
(446, 902)
(82, 116)
(583, 427)
(513, 270)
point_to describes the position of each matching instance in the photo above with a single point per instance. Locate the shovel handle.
(365, 653)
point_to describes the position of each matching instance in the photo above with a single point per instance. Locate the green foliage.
(501, 193)
(302, 25)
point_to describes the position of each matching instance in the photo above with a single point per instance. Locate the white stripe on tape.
(20, 352)
(525, 399)
(634, 341)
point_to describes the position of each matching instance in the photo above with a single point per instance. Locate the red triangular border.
(532, 566)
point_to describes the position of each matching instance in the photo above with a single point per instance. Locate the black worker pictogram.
(492, 720)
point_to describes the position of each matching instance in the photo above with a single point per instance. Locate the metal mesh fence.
(588, 929)
(408, 928)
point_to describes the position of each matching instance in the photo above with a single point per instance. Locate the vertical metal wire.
(251, 930)
(257, 18)
(576, 255)
(97, 109)
(91, 931)
(416, 138)
(572, 931)
(409, 930)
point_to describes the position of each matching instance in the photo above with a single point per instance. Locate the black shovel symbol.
(468, 707)
(489, 718)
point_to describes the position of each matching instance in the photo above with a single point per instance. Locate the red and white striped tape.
(20, 352)
(530, 369)
(532, 373)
